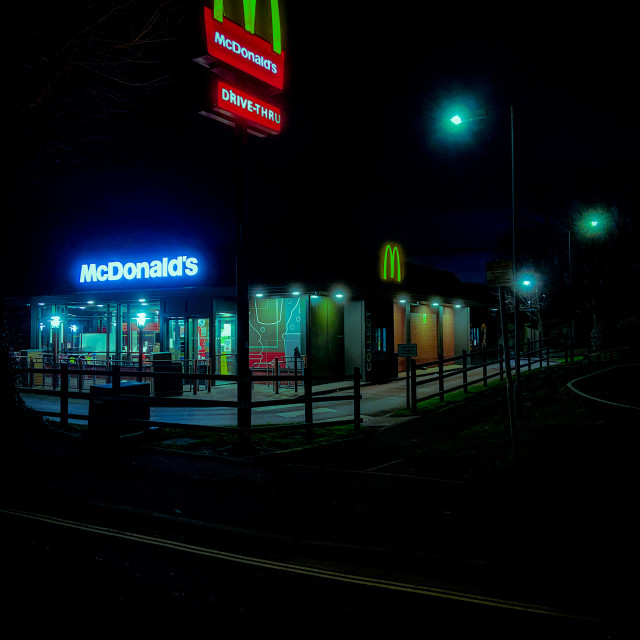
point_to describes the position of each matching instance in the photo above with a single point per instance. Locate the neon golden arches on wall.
(250, 19)
(392, 263)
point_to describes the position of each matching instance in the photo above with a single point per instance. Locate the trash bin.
(166, 385)
(109, 415)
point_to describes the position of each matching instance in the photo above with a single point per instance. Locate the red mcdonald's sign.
(237, 47)
(240, 103)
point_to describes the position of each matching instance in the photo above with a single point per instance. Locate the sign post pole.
(251, 73)
(242, 297)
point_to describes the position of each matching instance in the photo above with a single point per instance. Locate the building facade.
(117, 309)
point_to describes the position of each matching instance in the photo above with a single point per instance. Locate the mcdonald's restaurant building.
(170, 304)
(114, 303)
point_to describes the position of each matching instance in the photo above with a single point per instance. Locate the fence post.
(484, 367)
(464, 371)
(528, 354)
(276, 382)
(548, 356)
(115, 380)
(501, 358)
(308, 405)
(64, 395)
(356, 398)
(414, 386)
(441, 377)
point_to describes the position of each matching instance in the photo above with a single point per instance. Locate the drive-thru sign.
(249, 70)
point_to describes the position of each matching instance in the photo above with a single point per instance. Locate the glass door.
(188, 338)
(225, 355)
(200, 330)
(176, 338)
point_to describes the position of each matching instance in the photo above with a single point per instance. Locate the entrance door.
(225, 354)
(188, 338)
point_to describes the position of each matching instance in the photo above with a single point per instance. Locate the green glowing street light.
(459, 119)
(528, 279)
(593, 223)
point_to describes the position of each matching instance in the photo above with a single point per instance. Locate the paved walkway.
(377, 404)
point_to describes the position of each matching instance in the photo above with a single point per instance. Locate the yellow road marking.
(300, 569)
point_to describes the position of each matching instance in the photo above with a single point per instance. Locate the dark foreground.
(448, 536)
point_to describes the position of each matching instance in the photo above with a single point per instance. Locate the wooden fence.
(123, 386)
(491, 362)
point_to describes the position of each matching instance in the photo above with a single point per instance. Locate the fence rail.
(116, 375)
(62, 378)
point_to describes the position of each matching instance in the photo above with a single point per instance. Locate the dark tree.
(73, 70)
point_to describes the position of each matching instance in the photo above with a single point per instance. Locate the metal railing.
(291, 366)
(116, 375)
(42, 373)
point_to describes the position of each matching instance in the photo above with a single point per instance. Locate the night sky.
(365, 155)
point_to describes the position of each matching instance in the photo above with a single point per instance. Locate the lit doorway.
(225, 355)
(188, 339)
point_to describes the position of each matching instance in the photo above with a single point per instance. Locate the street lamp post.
(243, 369)
(591, 224)
(514, 231)
(572, 329)
(142, 318)
(482, 115)
(55, 337)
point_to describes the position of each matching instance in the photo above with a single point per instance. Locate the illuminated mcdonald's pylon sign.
(240, 48)
(249, 7)
(392, 262)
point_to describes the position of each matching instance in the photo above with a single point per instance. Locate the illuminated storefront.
(118, 328)
(119, 307)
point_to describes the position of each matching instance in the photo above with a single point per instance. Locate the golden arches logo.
(249, 8)
(392, 262)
